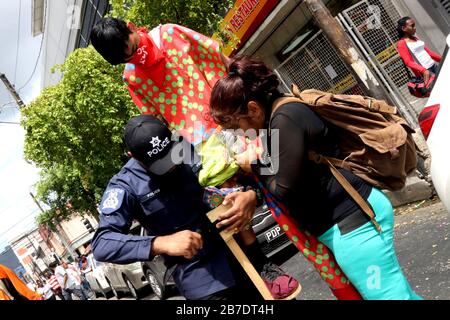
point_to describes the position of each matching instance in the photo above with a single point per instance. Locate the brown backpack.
(376, 143)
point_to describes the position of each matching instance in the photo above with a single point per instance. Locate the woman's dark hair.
(109, 37)
(248, 79)
(400, 25)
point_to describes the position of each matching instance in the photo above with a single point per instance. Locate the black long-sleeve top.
(309, 190)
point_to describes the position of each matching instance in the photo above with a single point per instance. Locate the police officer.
(159, 188)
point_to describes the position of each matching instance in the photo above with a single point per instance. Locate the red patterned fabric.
(176, 80)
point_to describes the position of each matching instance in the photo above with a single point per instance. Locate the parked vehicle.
(434, 121)
(96, 277)
(126, 278)
(271, 237)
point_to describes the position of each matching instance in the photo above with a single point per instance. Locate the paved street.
(422, 244)
(423, 247)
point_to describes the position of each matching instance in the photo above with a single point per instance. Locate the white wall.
(59, 36)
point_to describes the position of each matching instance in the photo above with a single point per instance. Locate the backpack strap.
(380, 107)
(315, 98)
(282, 101)
(346, 185)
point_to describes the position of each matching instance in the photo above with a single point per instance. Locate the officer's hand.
(240, 214)
(184, 243)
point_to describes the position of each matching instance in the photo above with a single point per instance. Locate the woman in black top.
(243, 100)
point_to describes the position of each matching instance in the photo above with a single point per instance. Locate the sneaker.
(281, 285)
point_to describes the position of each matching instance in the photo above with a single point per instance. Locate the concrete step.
(415, 189)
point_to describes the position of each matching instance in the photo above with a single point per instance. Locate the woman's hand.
(248, 157)
(240, 214)
(426, 77)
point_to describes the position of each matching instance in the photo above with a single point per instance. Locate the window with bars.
(317, 65)
(446, 5)
(94, 10)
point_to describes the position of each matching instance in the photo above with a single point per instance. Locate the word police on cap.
(158, 146)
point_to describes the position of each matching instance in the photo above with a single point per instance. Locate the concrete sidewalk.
(422, 241)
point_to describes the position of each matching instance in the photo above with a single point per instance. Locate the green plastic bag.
(218, 164)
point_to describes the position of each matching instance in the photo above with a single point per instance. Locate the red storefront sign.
(244, 18)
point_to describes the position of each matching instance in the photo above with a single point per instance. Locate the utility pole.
(37, 252)
(12, 90)
(346, 50)
(61, 238)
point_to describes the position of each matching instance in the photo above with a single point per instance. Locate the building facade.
(66, 27)
(33, 253)
(287, 38)
(9, 259)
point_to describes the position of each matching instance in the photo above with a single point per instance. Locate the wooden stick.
(240, 255)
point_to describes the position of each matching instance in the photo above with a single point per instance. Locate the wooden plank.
(240, 255)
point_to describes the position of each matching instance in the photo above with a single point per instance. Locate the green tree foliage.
(74, 132)
(199, 15)
(74, 129)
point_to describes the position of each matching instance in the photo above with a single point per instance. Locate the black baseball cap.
(150, 141)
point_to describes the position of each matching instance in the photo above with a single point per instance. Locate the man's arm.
(111, 242)
(137, 95)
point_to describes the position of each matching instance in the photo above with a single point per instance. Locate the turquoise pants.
(368, 258)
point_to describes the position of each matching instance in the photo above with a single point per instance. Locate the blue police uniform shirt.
(163, 206)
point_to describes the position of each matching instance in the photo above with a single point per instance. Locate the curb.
(415, 190)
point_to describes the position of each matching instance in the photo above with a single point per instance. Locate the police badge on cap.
(150, 142)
